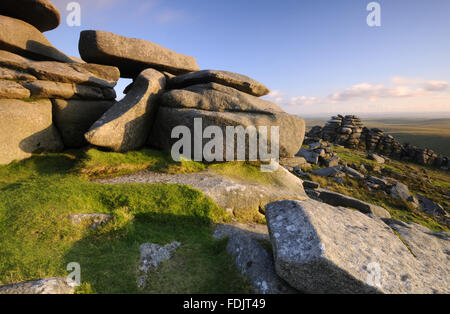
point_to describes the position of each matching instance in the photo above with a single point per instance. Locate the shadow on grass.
(109, 257)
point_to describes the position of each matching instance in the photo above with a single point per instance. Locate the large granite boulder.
(222, 106)
(235, 80)
(254, 262)
(73, 118)
(400, 191)
(26, 128)
(26, 40)
(323, 249)
(42, 14)
(132, 55)
(291, 129)
(86, 74)
(126, 125)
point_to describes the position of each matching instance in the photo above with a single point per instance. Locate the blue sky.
(317, 56)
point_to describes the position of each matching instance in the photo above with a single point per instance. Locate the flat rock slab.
(127, 124)
(216, 97)
(243, 199)
(238, 81)
(291, 128)
(353, 173)
(132, 55)
(26, 40)
(42, 14)
(311, 157)
(13, 90)
(43, 286)
(26, 127)
(57, 90)
(15, 75)
(254, 262)
(85, 74)
(327, 172)
(323, 249)
(93, 220)
(337, 199)
(152, 255)
(431, 249)
(73, 118)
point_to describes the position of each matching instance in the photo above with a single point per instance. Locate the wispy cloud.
(399, 92)
(169, 16)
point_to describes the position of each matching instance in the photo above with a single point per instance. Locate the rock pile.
(319, 153)
(160, 99)
(350, 132)
(47, 99)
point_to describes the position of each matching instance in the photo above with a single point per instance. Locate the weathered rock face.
(24, 39)
(11, 90)
(132, 55)
(222, 106)
(237, 81)
(255, 263)
(48, 89)
(42, 14)
(242, 197)
(431, 249)
(73, 118)
(127, 124)
(26, 128)
(80, 93)
(43, 286)
(323, 249)
(291, 128)
(216, 97)
(152, 255)
(400, 191)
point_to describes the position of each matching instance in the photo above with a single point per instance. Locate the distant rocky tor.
(350, 132)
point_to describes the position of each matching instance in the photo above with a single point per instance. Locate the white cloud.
(399, 94)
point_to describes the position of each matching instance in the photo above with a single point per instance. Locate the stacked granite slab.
(48, 100)
(169, 91)
(331, 128)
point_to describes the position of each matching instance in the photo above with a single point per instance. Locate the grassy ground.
(38, 241)
(429, 182)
